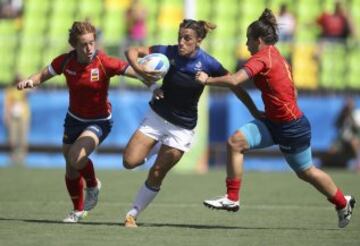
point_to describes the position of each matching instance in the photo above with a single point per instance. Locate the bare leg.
(320, 180)
(137, 150)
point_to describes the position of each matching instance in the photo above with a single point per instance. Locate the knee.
(237, 143)
(306, 175)
(131, 163)
(76, 160)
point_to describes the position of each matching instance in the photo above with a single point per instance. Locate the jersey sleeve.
(159, 49)
(55, 66)
(216, 68)
(114, 66)
(254, 66)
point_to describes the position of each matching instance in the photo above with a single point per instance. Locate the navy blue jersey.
(181, 91)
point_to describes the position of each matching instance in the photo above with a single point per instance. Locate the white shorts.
(167, 133)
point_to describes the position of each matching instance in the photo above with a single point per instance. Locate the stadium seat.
(90, 9)
(8, 40)
(305, 69)
(333, 67)
(353, 72)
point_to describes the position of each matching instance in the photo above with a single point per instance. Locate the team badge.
(94, 74)
(198, 66)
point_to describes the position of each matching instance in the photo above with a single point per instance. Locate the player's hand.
(201, 77)
(158, 94)
(24, 84)
(149, 75)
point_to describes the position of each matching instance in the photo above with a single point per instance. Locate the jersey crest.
(94, 75)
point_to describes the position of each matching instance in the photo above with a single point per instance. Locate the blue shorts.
(74, 127)
(293, 139)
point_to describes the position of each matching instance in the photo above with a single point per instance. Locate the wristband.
(153, 87)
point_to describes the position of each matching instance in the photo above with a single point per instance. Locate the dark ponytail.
(265, 28)
(200, 27)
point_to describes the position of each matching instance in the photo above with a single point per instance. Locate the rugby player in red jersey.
(88, 120)
(283, 124)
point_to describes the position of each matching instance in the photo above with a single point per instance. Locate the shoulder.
(207, 58)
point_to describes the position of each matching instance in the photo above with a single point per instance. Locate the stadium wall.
(226, 114)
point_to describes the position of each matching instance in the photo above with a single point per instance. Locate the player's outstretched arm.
(35, 79)
(247, 101)
(228, 80)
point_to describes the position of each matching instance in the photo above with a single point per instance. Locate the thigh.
(257, 135)
(299, 161)
(83, 146)
(138, 147)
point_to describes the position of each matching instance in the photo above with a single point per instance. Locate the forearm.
(222, 81)
(40, 77)
(130, 72)
(244, 98)
(132, 56)
(229, 80)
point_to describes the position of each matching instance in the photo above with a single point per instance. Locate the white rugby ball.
(156, 62)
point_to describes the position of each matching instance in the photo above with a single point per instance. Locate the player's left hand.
(201, 77)
(158, 94)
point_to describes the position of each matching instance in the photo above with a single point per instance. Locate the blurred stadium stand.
(31, 41)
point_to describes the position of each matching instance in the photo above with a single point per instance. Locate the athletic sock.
(75, 188)
(143, 198)
(338, 199)
(233, 188)
(89, 174)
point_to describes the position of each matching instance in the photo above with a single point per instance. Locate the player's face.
(85, 47)
(188, 42)
(252, 44)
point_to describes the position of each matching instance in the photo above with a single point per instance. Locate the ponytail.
(265, 27)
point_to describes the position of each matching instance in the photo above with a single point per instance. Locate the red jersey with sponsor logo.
(272, 75)
(88, 83)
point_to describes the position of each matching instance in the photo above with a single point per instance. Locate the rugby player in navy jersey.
(173, 115)
(88, 120)
(284, 124)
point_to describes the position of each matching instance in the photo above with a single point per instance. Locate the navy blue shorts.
(74, 127)
(292, 137)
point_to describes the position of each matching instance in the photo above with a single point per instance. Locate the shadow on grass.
(175, 225)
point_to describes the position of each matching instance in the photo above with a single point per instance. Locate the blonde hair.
(80, 28)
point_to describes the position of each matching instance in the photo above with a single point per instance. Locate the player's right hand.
(24, 84)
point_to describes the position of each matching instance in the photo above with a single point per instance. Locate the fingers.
(158, 94)
(28, 83)
(201, 77)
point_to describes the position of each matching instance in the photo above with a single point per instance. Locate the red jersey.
(272, 75)
(88, 83)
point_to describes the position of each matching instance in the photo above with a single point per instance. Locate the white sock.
(143, 198)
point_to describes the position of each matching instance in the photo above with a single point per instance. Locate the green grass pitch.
(276, 209)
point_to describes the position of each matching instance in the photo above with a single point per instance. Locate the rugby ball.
(156, 62)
